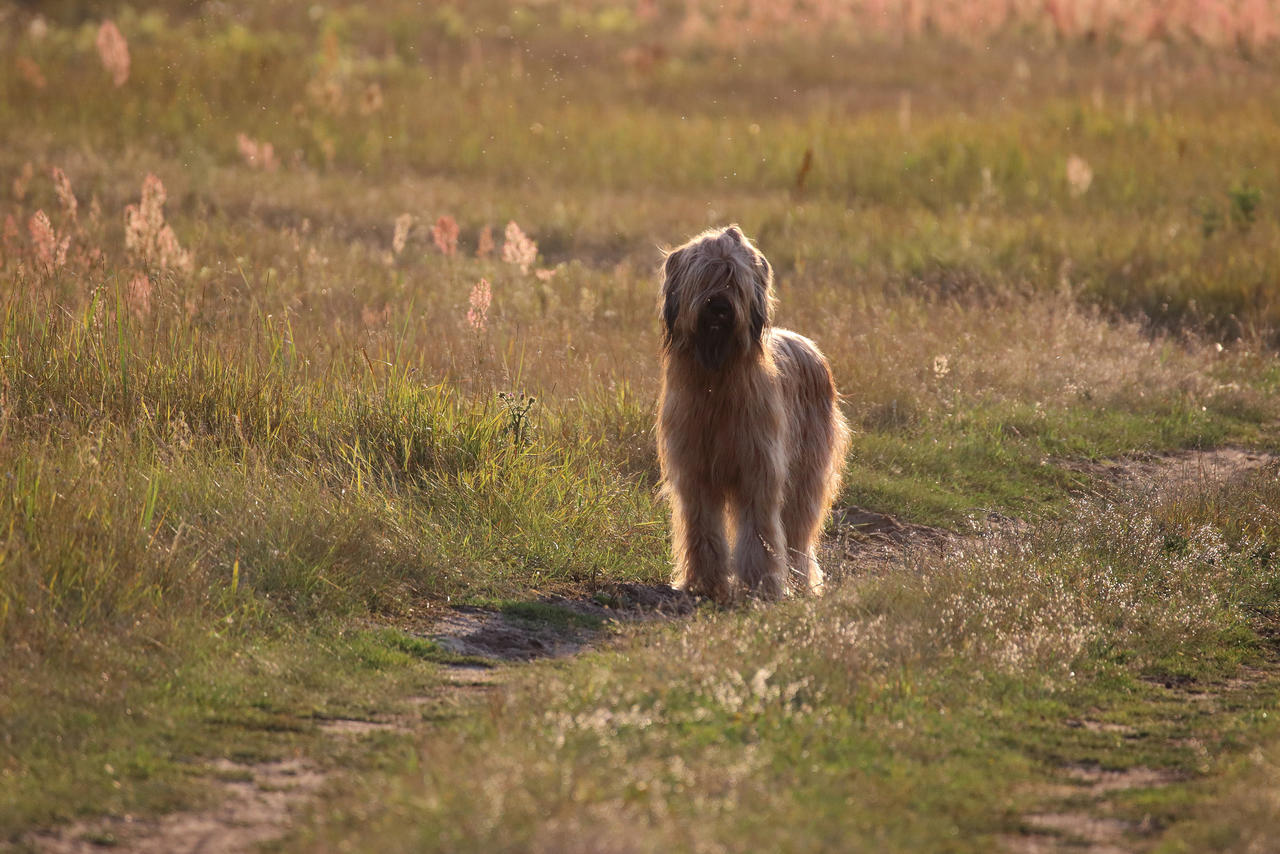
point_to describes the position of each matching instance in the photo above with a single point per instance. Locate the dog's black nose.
(719, 308)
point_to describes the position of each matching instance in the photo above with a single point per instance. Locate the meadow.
(320, 320)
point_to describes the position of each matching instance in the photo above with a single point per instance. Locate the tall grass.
(153, 473)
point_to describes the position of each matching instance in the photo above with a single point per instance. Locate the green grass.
(426, 650)
(1010, 458)
(550, 614)
(1233, 814)
(216, 499)
(920, 710)
(132, 728)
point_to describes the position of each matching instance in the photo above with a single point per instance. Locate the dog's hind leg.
(819, 439)
(701, 552)
(802, 513)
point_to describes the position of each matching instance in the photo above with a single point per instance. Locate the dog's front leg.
(701, 552)
(760, 551)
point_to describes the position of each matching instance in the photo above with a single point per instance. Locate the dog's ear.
(736, 233)
(761, 298)
(670, 303)
(758, 321)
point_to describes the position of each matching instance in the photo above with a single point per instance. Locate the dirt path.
(1178, 471)
(258, 802)
(1076, 813)
(555, 626)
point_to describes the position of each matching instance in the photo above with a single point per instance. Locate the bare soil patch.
(1099, 781)
(1088, 827)
(1100, 726)
(1077, 832)
(1176, 471)
(256, 804)
(355, 728)
(1068, 825)
(868, 528)
(528, 635)
(490, 634)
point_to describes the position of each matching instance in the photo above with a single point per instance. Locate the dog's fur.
(750, 437)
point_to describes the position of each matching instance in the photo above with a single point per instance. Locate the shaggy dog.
(750, 438)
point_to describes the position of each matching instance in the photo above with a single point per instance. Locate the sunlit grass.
(906, 712)
(319, 316)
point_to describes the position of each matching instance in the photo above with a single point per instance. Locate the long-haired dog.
(750, 438)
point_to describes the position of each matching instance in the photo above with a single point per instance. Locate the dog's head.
(717, 297)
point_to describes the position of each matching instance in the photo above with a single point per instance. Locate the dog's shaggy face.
(717, 297)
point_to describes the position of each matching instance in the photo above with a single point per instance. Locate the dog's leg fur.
(760, 551)
(701, 551)
(801, 522)
(821, 439)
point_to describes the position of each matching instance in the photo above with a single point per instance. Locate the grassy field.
(318, 320)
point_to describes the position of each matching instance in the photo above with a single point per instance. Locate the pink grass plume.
(445, 235)
(113, 50)
(478, 313)
(518, 248)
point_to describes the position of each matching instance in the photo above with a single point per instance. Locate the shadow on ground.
(556, 626)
